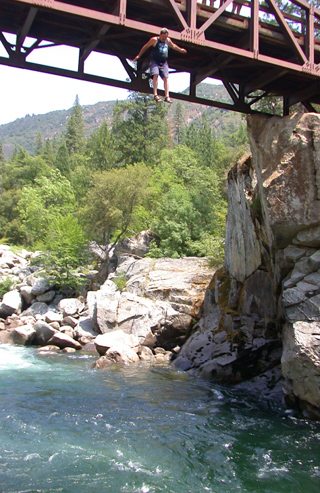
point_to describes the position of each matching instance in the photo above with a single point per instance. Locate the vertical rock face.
(286, 155)
(264, 304)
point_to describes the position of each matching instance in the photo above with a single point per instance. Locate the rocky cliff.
(260, 324)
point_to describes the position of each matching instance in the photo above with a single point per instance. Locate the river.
(68, 428)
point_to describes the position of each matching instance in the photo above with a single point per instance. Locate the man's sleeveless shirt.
(160, 51)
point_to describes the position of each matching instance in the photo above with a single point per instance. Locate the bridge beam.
(247, 53)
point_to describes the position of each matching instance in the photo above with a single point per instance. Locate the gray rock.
(313, 278)
(309, 237)
(63, 340)
(294, 278)
(293, 253)
(66, 329)
(136, 245)
(92, 308)
(46, 297)
(259, 295)
(40, 286)
(53, 316)
(241, 234)
(85, 324)
(71, 321)
(301, 360)
(114, 338)
(102, 363)
(23, 335)
(293, 296)
(70, 306)
(145, 354)
(122, 354)
(6, 337)
(11, 303)
(43, 333)
(36, 308)
(106, 309)
(26, 294)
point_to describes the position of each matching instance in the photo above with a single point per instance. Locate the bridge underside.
(259, 53)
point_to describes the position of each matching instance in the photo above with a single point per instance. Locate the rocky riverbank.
(147, 318)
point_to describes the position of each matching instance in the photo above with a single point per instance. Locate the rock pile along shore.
(146, 321)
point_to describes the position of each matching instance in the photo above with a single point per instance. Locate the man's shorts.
(161, 69)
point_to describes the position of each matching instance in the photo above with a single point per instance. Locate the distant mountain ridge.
(23, 131)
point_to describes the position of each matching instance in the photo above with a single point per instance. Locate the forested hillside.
(141, 170)
(23, 132)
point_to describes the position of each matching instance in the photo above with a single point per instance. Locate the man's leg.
(155, 84)
(166, 86)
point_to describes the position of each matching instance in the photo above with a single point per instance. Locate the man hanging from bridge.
(159, 61)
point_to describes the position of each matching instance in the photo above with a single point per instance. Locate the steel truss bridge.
(263, 51)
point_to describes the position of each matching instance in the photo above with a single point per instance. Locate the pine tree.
(179, 123)
(48, 152)
(2, 158)
(101, 149)
(39, 145)
(63, 159)
(55, 145)
(141, 128)
(75, 136)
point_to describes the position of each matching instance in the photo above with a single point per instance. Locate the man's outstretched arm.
(151, 42)
(176, 47)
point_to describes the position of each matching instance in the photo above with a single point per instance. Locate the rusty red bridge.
(263, 51)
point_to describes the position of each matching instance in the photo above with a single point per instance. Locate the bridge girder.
(263, 52)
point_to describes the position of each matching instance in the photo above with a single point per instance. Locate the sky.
(26, 92)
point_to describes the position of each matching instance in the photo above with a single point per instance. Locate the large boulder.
(63, 341)
(286, 156)
(241, 232)
(136, 245)
(103, 342)
(120, 354)
(11, 303)
(39, 285)
(301, 366)
(37, 308)
(160, 303)
(23, 335)
(43, 333)
(70, 306)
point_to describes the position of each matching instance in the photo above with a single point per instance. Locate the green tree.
(188, 207)
(179, 123)
(176, 223)
(55, 145)
(101, 149)
(10, 224)
(141, 129)
(112, 202)
(18, 171)
(47, 153)
(48, 198)
(81, 176)
(65, 248)
(75, 137)
(2, 158)
(62, 161)
(39, 145)
(22, 169)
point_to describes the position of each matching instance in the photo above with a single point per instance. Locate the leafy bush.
(5, 285)
(120, 280)
(64, 250)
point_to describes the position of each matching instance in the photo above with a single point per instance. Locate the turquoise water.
(67, 428)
